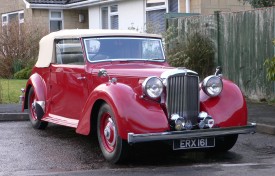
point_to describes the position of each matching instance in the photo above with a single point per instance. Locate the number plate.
(194, 143)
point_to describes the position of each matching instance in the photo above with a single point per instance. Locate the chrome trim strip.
(136, 138)
(124, 37)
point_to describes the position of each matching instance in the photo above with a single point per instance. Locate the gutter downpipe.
(187, 5)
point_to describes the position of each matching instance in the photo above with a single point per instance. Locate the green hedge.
(23, 74)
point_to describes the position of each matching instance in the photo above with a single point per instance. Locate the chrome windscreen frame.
(123, 37)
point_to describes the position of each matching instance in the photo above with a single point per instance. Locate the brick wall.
(10, 6)
(206, 7)
(209, 6)
(71, 19)
(40, 17)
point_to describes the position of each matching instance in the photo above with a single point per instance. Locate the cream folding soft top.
(46, 45)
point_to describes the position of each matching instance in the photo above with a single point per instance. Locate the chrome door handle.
(81, 78)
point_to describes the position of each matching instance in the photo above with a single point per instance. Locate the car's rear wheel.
(36, 123)
(225, 143)
(114, 149)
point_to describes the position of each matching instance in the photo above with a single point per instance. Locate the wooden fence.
(243, 40)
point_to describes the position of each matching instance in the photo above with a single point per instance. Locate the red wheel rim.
(108, 132)
(32, 107)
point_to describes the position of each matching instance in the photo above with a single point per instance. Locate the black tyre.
(114, 149)
(36, 123)
(225, 143)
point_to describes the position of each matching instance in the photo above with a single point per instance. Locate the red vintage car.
(118, 85)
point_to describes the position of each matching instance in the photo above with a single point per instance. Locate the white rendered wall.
(131, 14)
(94, 18)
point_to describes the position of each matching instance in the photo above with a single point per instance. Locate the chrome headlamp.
(212, 85)
(152, 87)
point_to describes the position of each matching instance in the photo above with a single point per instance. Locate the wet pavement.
(59, 150)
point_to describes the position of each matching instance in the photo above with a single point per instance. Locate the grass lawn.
(10, 90)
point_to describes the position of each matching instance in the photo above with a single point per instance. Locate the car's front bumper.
(136, 138)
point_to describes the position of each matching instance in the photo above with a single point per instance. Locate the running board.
(61, 120)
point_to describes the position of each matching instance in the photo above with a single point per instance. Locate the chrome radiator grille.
(183, 96)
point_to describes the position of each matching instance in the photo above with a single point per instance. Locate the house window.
(56, 20)
(14, 17)
(114, 16)
(155, 14)
(173, 6)
(4, 23)
(21, 17)
(104, 14)
(109, 16)
(155, 20)
(4, 20)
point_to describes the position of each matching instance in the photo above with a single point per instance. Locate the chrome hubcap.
(107, 132)
(110, 133)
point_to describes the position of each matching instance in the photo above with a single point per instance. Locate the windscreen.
(123, 48)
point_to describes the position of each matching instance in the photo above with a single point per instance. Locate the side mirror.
(102, 72)
(218, 71)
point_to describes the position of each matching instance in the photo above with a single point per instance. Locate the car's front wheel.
(114, 149)
(36, 123)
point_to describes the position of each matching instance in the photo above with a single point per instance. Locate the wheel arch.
(26, 100)
(94, 115)
(229, 108)
(133, 114)
(39, 86)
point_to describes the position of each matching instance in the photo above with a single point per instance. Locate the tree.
(259, 3)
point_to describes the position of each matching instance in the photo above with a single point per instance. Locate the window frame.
(6, 15)
(6, 22)
(109, 16)
(56, 19)
(101, 15)
(158, 7)
(126, 38)
(72, 41)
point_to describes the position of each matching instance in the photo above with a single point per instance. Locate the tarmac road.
(60, 151)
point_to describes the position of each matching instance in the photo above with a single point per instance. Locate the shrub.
(194, 51)
(18, 47)
(270, 69)
(23, 74)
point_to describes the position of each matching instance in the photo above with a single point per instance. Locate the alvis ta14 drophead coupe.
(118, 85)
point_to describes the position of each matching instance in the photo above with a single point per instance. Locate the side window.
(69, 51)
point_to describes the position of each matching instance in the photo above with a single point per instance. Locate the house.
(149, 14)
(140, 15)
(48, 14)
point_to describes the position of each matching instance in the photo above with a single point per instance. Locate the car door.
(68, 91)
